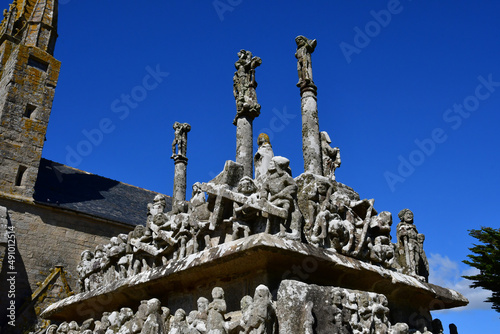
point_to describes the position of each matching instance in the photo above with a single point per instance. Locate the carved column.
(311, 140)
(179, 148)
(247, 108)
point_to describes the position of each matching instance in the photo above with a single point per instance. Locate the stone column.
(179, 148)
(180, 178)
(247, 108)
(244, 144)
(311, 139)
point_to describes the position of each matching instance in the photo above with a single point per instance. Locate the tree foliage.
(486, 258)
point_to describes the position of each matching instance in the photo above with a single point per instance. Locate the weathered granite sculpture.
(180, 161)
(263, 156)
(331, 156)
(280, 189)
(410, 247)
(247, 107)
(317, 257)
(305, 47)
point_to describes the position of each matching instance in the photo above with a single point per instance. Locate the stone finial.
(305, 47)
(244, 85)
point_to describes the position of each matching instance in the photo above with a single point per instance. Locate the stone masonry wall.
(47, 237)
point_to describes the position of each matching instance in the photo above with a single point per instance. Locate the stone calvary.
(258, 249)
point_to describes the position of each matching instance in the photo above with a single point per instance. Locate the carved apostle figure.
(244, 85)
(154, 321)
(199, 324)
(263, 156)
(244, 214)
(179, 323)
(280, 189)
(411, 253)
(331, 156)
(180, 139)
(262, 318)
(84, 269)
(305, 47)
(216, 311)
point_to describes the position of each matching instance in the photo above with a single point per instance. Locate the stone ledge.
(244, 264)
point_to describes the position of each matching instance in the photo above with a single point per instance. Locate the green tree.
(486, 258)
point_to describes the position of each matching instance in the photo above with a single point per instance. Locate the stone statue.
(410, 247)
(198, 206)
(262, 315)
(244, 214)
(381, 315)
(331, 156)
(263, 156)
(305, 47)
(244, 85)
(200, 317)
(216, 311)
(154, 321)
(84, 269)
(179, 324)
(376, 235)
(280, 190)
(180, 139)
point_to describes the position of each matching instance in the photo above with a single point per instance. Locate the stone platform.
(240, 266)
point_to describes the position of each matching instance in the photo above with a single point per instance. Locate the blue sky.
(409, 91)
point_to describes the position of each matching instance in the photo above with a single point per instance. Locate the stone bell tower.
(28, 78)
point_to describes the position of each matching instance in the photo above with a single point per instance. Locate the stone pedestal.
(180, 176)
(240, 266)
(244, 144)
(311, 140)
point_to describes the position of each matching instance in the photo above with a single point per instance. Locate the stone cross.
(180, 160)
(247, 107)
(311, 141)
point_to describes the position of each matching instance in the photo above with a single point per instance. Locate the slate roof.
(65, 187)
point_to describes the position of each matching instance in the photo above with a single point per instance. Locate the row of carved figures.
(350, 311)
(310, 208)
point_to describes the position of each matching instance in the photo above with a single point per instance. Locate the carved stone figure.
(84, 269)
(154, 322)
(216, 311)
(244, 85)
(200, 317)
(381, 315)
(244, 214)
(179, 324)
(305, 47)
(411, 254)
(313, 199)
(331, 156)
(198, 206)
(280, 190)
(262, 315)
(263, 156)
(179, 145)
